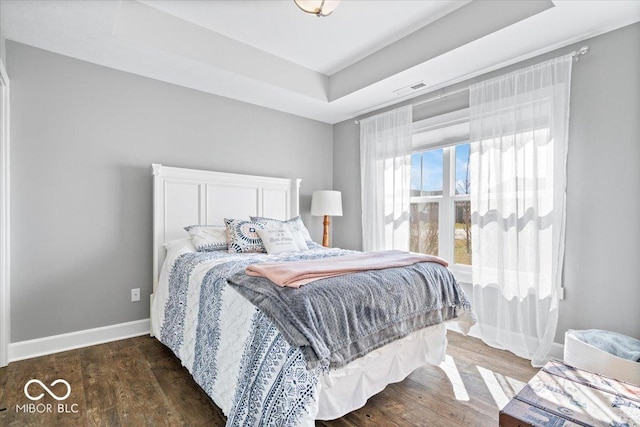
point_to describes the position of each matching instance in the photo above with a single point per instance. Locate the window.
(440, 210)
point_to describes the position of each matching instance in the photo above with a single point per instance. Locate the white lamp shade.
(326, 203)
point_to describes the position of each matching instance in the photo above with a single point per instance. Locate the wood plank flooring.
(138, 382)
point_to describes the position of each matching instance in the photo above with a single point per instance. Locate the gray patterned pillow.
(295, 225)
(243, 237)
(207, 238)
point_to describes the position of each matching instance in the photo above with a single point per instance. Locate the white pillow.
(299, 239)
(277, 240)
(295, 225)
(180, 243)
(207, 238)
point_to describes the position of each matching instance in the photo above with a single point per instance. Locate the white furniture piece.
(186, 197)
(585, 356)
(183, 197)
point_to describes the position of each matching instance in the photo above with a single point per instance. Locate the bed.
(232, 349)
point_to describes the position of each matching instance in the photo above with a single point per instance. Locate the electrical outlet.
(135, 294)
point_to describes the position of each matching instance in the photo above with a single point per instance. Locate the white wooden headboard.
(183, 197)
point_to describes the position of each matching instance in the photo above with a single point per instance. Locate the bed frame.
(184, 197)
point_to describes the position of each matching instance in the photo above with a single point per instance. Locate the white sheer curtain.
(385, 163)
(519, 132)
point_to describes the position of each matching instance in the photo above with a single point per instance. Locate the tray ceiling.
(329, 69)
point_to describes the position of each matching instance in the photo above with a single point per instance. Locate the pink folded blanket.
(297, 273)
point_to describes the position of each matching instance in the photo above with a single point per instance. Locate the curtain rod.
(577, 54)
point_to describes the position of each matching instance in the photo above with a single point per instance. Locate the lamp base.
(325, 234)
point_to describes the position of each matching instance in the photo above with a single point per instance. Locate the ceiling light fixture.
(317, 7)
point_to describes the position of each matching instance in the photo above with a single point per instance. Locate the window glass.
(440, 216)
(462, 233)
(427, 173)
(424, 228)
(463, 184)
(416, 174)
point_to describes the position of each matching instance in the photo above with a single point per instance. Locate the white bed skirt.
(346, 389)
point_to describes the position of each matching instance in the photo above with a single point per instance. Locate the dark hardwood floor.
(138, 381)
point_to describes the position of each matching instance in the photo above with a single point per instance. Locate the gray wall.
(83, 139)
(3, 52)
(602, 271)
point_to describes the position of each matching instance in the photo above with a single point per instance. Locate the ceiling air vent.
(410, 88)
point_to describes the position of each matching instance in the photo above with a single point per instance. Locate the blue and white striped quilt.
(233, 351)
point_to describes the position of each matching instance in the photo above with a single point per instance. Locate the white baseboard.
(70, 341)
(556, 352)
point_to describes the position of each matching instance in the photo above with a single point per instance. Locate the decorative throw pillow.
(243, 236)
(277, 240)
(295, 225)
(207, 238)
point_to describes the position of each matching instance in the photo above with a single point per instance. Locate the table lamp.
(326, 203)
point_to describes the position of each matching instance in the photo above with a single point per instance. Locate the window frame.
(446, 201)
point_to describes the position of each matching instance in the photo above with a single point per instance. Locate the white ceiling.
(325, 45)
(329, 69)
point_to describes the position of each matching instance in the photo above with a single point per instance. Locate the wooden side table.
(562, 396)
